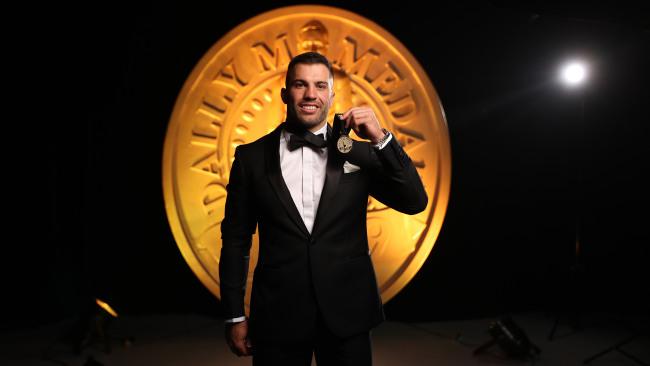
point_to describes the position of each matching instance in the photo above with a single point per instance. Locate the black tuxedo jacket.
(298, 272)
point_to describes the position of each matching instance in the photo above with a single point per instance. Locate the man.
(314, 289)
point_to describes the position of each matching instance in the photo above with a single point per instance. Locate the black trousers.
(328, 349)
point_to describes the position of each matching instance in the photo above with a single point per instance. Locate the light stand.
(93, 326)
(573, 75)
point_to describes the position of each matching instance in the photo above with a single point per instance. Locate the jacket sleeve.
(237, 230)
(395, 181)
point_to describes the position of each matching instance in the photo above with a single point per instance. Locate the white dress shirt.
(303, 170)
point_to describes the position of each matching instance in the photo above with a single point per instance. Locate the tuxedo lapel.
(274, 173)
(332, 176)
(333, 171)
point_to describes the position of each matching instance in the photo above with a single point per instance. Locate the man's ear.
(283, 95)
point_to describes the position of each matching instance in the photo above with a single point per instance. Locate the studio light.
(511, 339)
(93, 325)
(574, 73)
(106, 307)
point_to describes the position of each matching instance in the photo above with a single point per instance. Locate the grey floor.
(173, 339)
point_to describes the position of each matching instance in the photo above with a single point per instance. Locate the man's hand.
(364, 123)
(237, 338)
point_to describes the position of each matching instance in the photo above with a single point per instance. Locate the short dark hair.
(309, 58)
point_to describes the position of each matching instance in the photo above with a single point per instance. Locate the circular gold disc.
(344, 144)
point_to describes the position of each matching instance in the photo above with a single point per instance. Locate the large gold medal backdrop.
(232, 97)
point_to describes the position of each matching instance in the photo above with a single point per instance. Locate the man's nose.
(310, 92)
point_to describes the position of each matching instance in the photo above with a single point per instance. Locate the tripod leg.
(616, 347)
(484, 346)
(587, 360)
(632, 357)
(552, 333)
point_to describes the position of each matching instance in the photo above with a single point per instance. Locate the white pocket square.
(349, 167)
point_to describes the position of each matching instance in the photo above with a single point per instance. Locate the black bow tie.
(308, 139)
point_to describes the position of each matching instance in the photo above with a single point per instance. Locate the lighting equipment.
(511, 339)
(574, 73)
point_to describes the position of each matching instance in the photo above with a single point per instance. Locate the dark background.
(527, 169)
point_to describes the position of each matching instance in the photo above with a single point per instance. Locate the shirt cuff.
(382, 144)
(236, 320)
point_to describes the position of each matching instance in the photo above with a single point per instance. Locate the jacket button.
(312, 241)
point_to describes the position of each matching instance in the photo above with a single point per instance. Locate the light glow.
(574, 73)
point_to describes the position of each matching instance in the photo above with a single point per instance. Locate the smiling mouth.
(309, 108)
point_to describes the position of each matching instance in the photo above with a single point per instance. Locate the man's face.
(309, 95)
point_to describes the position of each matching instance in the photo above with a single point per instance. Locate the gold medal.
(344, 144)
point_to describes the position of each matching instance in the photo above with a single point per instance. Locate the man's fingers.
(359, 123)
(359, 119)
(357, 116)
(351, 112)
(348, 112)
(242, 348)
(234, 349)
(237, 339)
